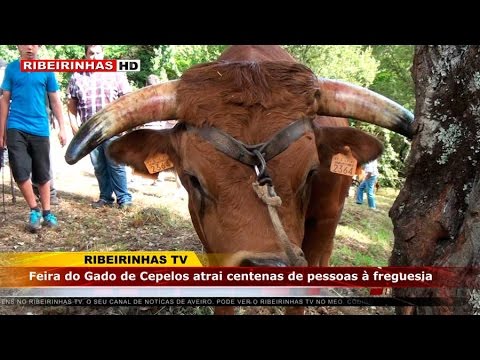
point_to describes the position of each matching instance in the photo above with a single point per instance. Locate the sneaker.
(125, 205)
(34, 223)
(101, 203)
(50, 220)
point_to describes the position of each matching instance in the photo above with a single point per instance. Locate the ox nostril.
(262, 262)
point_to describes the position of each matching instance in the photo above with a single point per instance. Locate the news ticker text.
(231, 301)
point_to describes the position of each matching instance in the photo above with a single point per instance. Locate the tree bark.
(436, 215)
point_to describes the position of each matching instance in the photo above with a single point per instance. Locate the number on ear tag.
(343, 164)
(157, 163)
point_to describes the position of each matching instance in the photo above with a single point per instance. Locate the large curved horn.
(152, 103)
(345, 100)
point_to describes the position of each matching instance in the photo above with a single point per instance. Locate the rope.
(267, 194)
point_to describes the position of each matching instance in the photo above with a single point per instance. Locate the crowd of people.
(30, 106)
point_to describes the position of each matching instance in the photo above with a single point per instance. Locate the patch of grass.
(365, 237)
(157, 216)
(151, 216)
(342, 254)
(365, 260)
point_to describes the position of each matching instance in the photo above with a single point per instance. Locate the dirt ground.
(158, 221)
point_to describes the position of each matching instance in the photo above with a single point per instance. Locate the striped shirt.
(94, 90)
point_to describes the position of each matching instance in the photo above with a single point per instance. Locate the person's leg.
(20, 163)
(99, 162)
(44, 190)
(27, 192)
(119, 182)
(41, 174)
(35, 190)
(370, 191)
(53, 190)
(54, 200)
(118, 176)
(360, 190)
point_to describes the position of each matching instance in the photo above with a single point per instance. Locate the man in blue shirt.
(24, 128)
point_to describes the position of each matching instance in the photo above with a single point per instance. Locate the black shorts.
(28, 154)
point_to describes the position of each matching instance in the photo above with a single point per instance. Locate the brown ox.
(253, 149)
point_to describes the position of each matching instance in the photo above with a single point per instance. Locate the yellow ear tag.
(343, 164)
(157, 163)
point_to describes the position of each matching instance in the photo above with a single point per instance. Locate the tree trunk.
(436, 215)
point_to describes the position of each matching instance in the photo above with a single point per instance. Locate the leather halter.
(257, 154)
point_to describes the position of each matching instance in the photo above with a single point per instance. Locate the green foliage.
(352, 63)
(393, 78)
(394, 81)
(8, 52)
(163, 63)
(188, 55)
(172, 60)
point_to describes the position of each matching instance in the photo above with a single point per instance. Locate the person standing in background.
(368, 185)
(88, 93)
(24, 128)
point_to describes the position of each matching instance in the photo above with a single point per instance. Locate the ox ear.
(332, 140)
(139, 145)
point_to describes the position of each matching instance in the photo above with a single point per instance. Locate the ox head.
(244, 127)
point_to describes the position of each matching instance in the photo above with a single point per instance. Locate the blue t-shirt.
(28, 91)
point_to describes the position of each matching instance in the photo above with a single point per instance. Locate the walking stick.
(14, 197)
(12, 181)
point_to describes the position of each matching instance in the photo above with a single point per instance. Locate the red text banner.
(372, 277)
